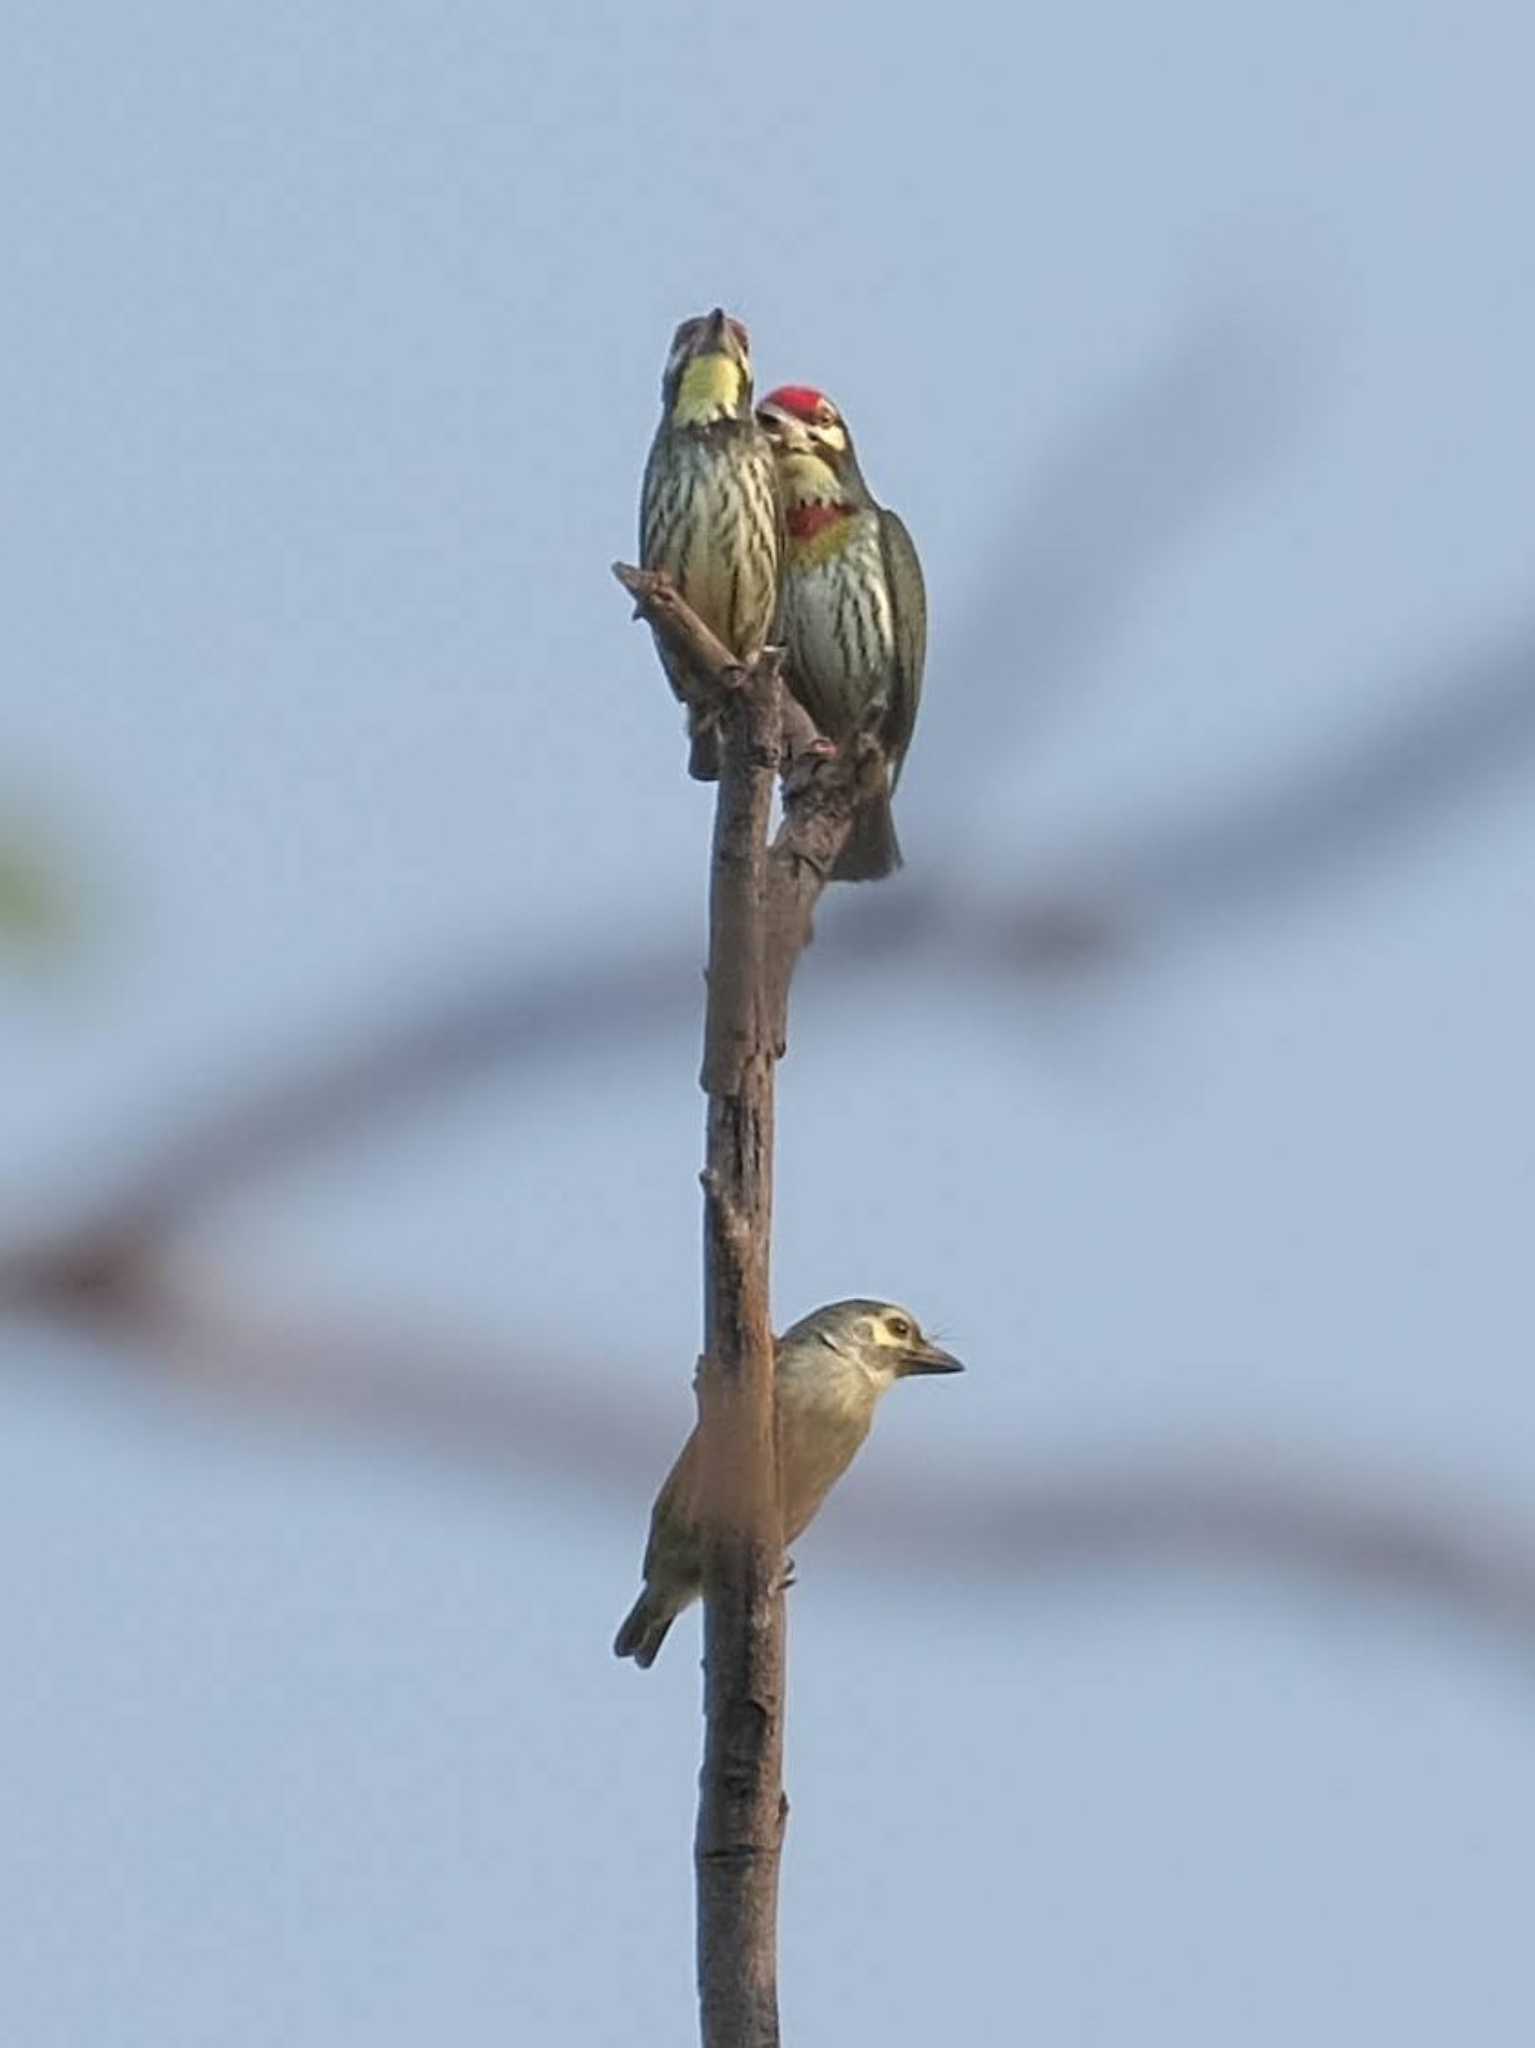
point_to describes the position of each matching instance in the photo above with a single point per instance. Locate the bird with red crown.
(852, 607)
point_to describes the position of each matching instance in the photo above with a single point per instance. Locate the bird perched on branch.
(853, 610)
(829, 1373)
(710, 514)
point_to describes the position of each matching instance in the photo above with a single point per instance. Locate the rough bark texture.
(760, 907)
(739, 1830)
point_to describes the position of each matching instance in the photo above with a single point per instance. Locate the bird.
(852, 609)
(830, 1370)
(710, 511)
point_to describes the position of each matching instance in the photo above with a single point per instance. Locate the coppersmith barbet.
(710, 513)
(853, 612)
(830, 1371)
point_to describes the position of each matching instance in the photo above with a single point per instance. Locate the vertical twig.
(740, 1810)
(760, 908)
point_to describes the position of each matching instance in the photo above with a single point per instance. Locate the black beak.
(929, 1359)
(715, 334)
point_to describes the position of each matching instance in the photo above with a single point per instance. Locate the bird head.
(883, 1341)
(813, 446)
(800, 421)
(708, 375)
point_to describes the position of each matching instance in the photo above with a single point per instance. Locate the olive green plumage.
(830, 1371)
(853, 606)
(710, 512)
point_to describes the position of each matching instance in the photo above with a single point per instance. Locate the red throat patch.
(798, 399)
(806, 521)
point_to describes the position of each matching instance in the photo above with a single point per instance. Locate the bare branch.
(708, 664)
(1456, 727)
(713, 669)
(740, 1793)
(1096, 508)
(820, 797)
(759, 916)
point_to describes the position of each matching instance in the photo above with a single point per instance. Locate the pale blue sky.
(1193, 344)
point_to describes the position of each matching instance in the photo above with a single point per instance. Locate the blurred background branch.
(483, 1408)
(1459, 728)
(1130, 480)
(40, 910)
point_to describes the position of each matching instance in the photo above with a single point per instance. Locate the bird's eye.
(898, 1327)
(740, 334)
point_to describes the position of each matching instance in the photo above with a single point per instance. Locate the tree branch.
(759, 918)
(737, 1843)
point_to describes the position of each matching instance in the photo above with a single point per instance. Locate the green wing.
(908, 596)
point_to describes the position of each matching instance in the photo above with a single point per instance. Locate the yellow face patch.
(712, 387)
(807, 479)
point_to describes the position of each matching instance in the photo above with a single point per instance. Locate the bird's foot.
(801, 768)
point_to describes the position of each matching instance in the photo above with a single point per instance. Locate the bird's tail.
(703, 729)
(871, 850)
(644, 1630)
